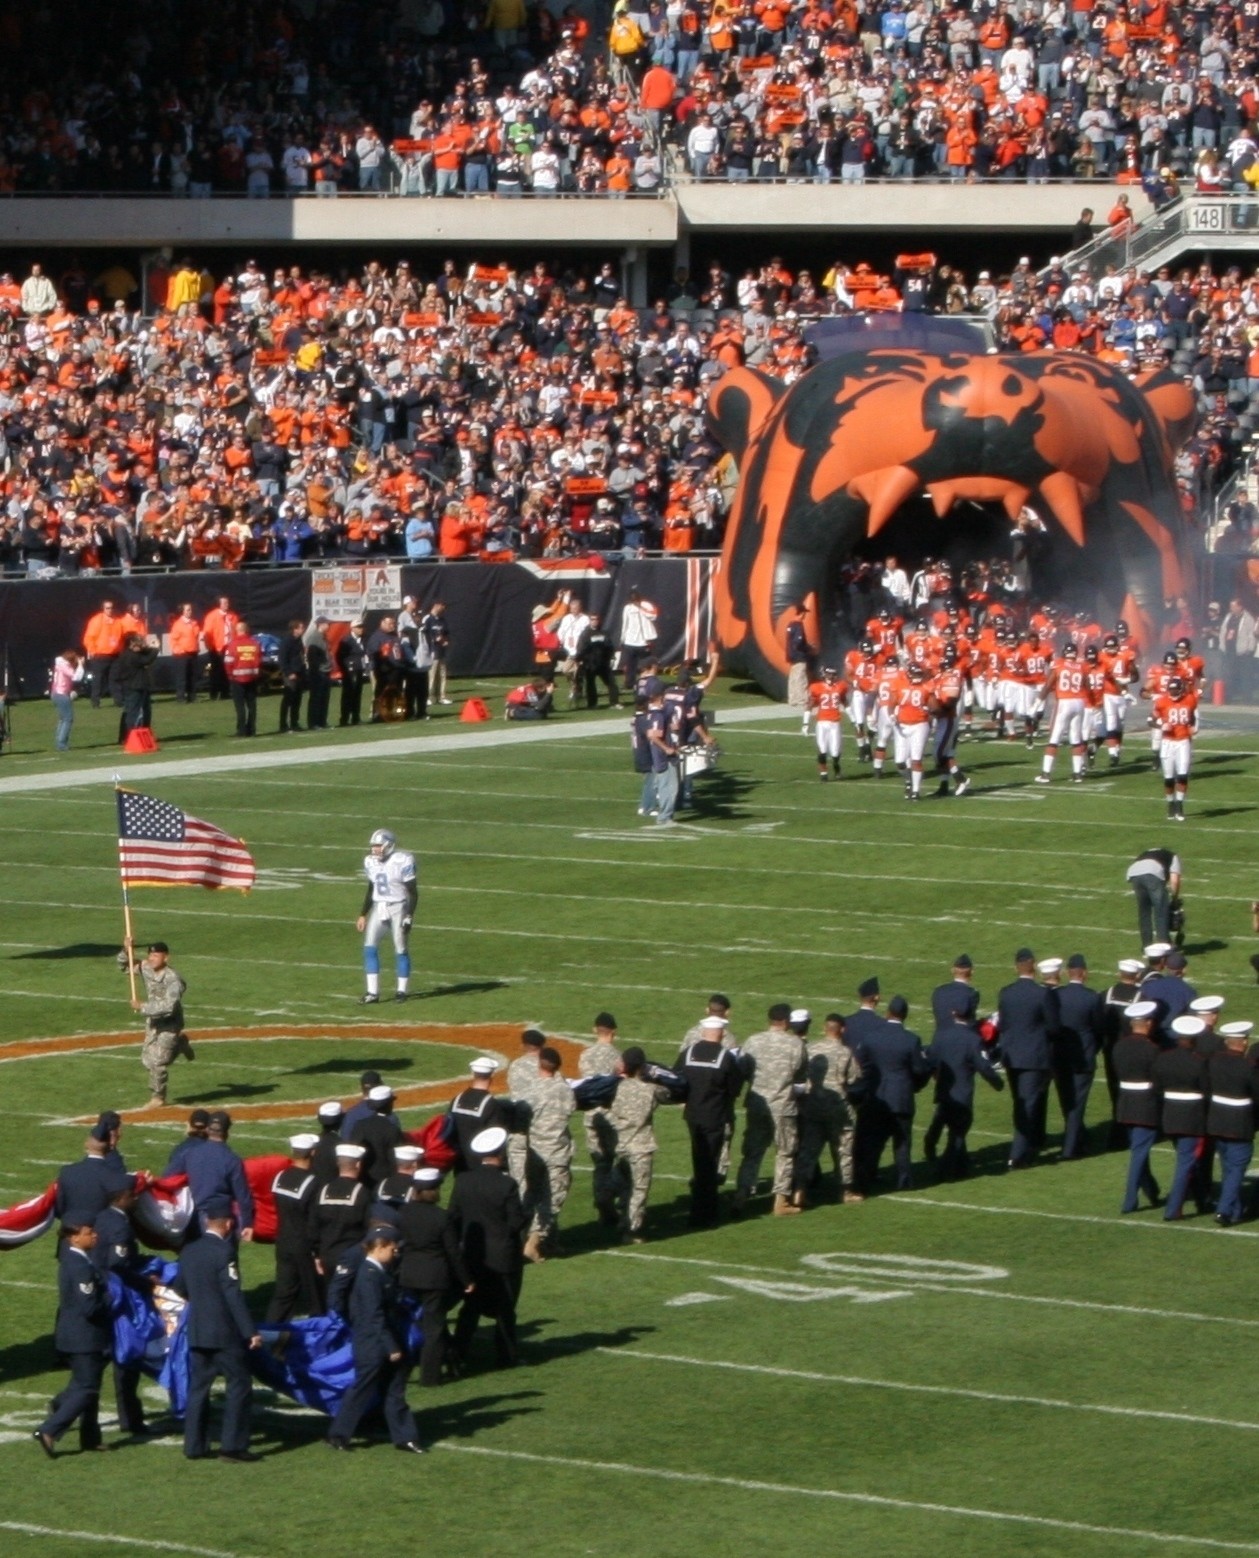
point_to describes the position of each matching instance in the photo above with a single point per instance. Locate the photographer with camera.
(1155, 877)
(131, 682)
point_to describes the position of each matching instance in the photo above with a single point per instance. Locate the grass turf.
(1074, 1378)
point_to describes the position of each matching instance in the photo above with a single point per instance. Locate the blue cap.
(216, 1207)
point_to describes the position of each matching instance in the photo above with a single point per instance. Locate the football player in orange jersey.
(1034, 661)
(919, 643)
(886, 731)
(984, 674)
(1192, 668)
(1094, 691)
(885, 630)
(862, 668)
(828, 698)
(1175, 717)
(913, 721)
(946, 692)
(1156, 680)
(1119, 662)
(1009, 699)
(1066, 682)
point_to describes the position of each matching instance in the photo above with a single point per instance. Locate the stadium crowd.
(411, 96)
(298, 416)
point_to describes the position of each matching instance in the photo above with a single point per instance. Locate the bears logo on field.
(827, 462)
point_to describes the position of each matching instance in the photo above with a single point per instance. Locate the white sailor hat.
(713, 1022)
(380, 1095)
(407, 1153)
(1131, 966)
(801, 1014)
(1158, 949)
(428, 1176)
(330, 1111)
(1140, 1009)
(1049, 966)
(487, 1142)
(350, 1149)
(1207, 1003)
(483, 1066)
(303, 1142)
(1188, 1027)
(1236, 1030)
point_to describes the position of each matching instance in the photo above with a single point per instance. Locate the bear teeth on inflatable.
(827, 463)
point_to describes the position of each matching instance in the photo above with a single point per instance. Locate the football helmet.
(1175, 688)
(1090, 654)
(1110, 642)
(1071, 651)
(1170, 658)
(1185, 644)
(382, 843)
(829, 673)
(866, 646)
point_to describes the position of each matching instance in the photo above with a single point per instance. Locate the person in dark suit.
(1180, 1078)
(1081, 1028)
(221, 1332)
(83, 1337)
(118, 1252)
(958, 995)
(1136, 1107)
(1027, 1019)
(381, 1360)
(489, 1222)
(298, 1289)
(713, 1081)
(893, 1068)
(866, 1019)
(85, 1188)
(432, 1268)
(957, 1056)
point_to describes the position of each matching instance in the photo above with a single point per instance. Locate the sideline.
(352, 751)
(148, 1544)
(875, 1500)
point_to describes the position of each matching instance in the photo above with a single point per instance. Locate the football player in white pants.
(1175, 718)
(392, 894)
(1066, 682)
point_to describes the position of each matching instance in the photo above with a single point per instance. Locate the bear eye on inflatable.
(872, 439)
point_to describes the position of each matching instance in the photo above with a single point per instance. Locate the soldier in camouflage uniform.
(633, 1141)
(827, 1117)
(549, 1168)
(600, 1059)
(522, 1080)
(718, 1006)
(164, 1036)
(773, 1063)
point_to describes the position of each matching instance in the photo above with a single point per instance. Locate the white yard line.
(1142, 1311)
(1155, 1224)
(862, 1383)
(107, 1537)
(871, 1500)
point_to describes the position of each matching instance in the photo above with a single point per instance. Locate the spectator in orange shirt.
(185, 647)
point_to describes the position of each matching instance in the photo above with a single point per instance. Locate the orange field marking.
(501, 1040)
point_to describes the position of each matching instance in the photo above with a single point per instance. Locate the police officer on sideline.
(957, 1056)
(83, 1336)
(432, 1270)
(221, 1332)
(1075, 1046)
(488, 1219)
(1180, 1075)
(294, 1189)
(164, 1036)
(713, 1081)
(1233, 1084)
(1027, 1019)
(476, 1110)
(379, 1340)
(1137, 1109)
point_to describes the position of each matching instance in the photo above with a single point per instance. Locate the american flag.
(161, 846)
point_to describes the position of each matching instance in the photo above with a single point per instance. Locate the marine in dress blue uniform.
(1180, 1078)
(221, 1333)
(1027, 1019)
(1233, 1085)
(1136, 1104)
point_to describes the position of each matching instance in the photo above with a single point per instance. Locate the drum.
(696, 759)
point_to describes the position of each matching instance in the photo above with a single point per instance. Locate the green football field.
(1003, 1365)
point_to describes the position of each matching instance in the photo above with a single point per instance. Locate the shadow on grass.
(719, 794)
(464, 1419)
(1197, 949)
(25, 1359)
(467, 987)
(1221, 811)
(227, 1090)
(348, 1064)
(77, 949)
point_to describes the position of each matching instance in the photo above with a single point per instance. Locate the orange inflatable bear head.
(826, 463)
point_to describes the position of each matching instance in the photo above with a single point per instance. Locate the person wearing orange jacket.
(217, 629)
(185, 646)
(102, 643)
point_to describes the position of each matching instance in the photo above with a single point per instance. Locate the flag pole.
(126, 900)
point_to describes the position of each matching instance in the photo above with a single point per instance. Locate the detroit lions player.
(392, 894)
